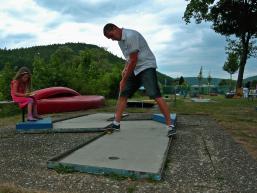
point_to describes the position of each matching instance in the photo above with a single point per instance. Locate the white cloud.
(23, 17)
(180, 49)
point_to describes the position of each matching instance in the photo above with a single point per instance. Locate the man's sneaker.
(114, 127)
(171, 130)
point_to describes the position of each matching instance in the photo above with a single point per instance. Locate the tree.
(181, 80)
(209, 79)
(231, 65)
(85, 68)
(61, 66)
(41, 76)
(230, 18)
(234, 45)
(200, 78)
(184, 86)
(254, 84)
(80, 79)
(6, 76)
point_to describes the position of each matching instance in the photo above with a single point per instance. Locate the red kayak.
(63, 99)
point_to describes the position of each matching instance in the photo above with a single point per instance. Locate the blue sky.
(180, 49)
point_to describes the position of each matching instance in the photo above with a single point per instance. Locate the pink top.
(22, 101)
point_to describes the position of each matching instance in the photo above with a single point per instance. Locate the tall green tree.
(80, 71)
(61, 66)
(229, 18)
(6, 76)
(41, 75)
(200, 78)
(231, 65)
(181, 80)
(209, 79)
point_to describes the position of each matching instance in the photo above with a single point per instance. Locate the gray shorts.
(146, 78)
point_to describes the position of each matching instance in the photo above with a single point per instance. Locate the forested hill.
(214, 81)
(25, 56)
(252, 78)
(85, 68)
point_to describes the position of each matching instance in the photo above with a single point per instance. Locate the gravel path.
(203, 158)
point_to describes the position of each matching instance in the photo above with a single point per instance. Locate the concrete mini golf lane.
(93, 122)
(138, 150)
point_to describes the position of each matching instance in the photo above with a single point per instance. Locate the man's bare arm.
(129, 68)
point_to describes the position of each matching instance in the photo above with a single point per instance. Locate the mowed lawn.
(236, 116)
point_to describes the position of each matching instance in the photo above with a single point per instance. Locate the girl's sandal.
(31, 119)
(38, 117)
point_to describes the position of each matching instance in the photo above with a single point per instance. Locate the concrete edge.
(78, 130)
(165, 158)
(72, 117)
(34, 131)
(105, 171)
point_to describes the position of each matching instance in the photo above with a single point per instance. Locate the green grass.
(61, 169)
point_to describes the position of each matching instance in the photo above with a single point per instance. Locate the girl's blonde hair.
(23, 70)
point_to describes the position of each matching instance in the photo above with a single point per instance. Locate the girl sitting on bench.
(20, 92)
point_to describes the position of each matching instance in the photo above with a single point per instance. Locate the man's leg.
(164, 109)
(131, 87)
(122, 103)
(149, 80)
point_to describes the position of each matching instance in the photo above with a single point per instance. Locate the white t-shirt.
(132, 41)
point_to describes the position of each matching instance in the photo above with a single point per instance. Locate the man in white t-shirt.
(140, 69)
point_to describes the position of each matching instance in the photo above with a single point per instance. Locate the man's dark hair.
(108, 27)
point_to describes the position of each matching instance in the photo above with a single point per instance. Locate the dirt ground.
(203, 158)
